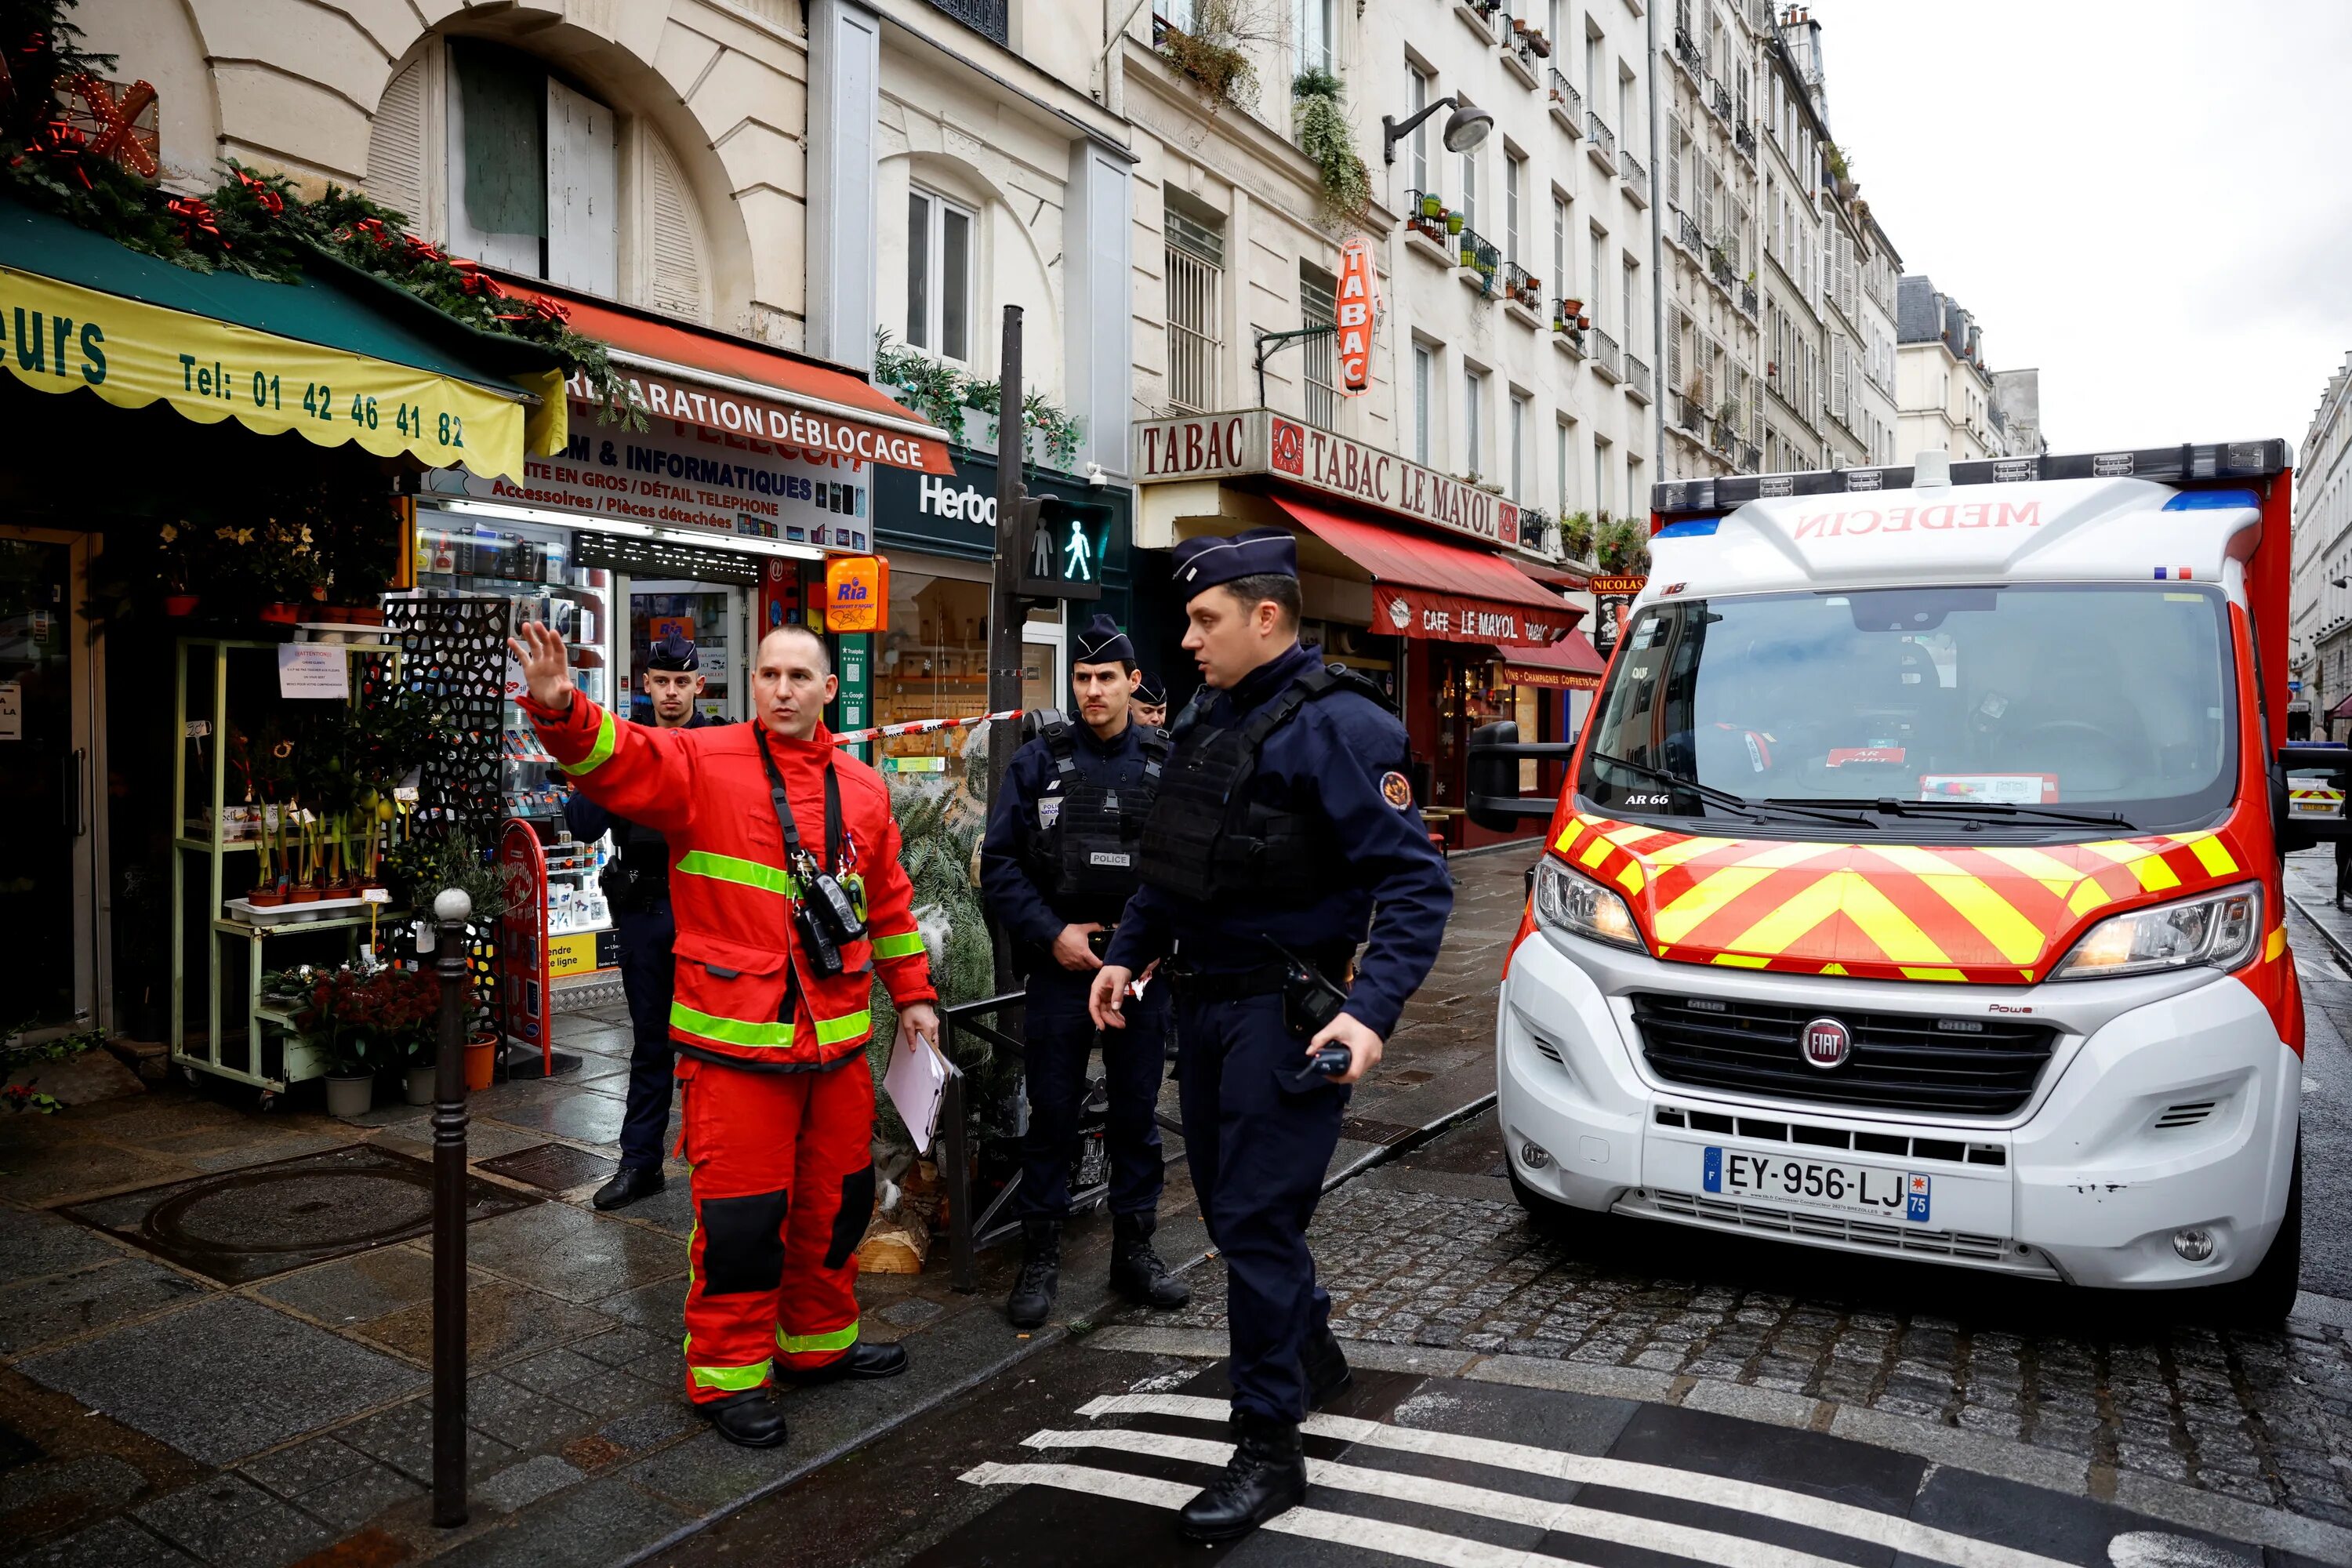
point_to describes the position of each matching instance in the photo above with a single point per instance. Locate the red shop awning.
(2342, 709)
(1427, 588)
(1571, 663)
(739, 387)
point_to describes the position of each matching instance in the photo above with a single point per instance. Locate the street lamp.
(1465, 128)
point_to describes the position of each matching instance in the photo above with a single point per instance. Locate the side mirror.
(1494, 771)
(2308, 789)
(1496, 753)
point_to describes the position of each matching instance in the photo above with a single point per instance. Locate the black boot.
(629, 1184)
(1040, 1268)
(1325, 1366)
(749, 1419)
(863, 1360)
(1266, 1474)
(1136, 1271)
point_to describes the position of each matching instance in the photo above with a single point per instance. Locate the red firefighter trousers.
(783, 1186)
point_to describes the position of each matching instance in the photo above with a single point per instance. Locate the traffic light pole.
(1005, 613)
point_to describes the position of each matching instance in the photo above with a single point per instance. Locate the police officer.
(1151, 705)
(636, 886)
(1056, 867)
(1284, 833)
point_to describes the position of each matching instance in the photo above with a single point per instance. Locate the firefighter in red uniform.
(780, 844)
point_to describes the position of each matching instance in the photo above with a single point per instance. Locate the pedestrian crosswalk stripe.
(1710, 1546)
(1663, 1480)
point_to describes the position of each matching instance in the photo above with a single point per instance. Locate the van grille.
(1900, 1061)
(1765, 1219)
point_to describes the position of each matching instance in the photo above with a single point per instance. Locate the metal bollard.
(454, 968)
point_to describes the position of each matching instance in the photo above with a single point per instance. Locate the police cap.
(673, 652)
(1208, 562)
(1101, 642)
(1150, 690)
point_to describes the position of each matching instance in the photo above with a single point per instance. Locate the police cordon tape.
(922, 727)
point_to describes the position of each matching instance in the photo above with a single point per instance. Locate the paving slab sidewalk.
(150, 1413)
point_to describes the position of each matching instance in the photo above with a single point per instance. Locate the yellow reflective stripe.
(733, 1031)
(2212, 854)
(733, 1379)
(1893, 933)
(743, 872)
(2275, 944)
(607, 737)
(906, 944)
(2154, 874)
(833, 1031)
(1951, 975)
(1742, 959)
(801, 1344)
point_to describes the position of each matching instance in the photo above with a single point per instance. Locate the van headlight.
(1569, 902)
(2219, 931)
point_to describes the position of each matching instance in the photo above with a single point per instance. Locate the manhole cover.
(1370, 1130)
(557, 1167)
(247, 1225)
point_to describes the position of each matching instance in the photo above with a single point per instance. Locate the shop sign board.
(1552, 680)
(858, 593)
(847, 441)
(1359, 308)
(854, 700)
(1451, 617)
(685, 476)
(1258, 442)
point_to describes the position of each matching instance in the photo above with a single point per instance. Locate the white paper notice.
(916, 1082)
(313, 669)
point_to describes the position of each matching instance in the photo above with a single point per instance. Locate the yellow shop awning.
(340, 356)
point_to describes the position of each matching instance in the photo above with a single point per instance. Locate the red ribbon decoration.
(271, 202)
(422, 250)
(193, 215)
(472, 280)
(63, 144)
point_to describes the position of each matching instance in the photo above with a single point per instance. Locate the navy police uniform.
(1064, 836)
(1286, 822)
(636, 888)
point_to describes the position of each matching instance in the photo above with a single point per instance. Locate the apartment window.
(1593, 305)
(1604, 495)
(1519, 412)
(1315, 51)
(939, 275)
(1474, 395)
(1628, 135)
(1632, 299)
(1637, 494)
(1419, 90)
(1595, 48)
(1425, 370)
(1470, 189)
(1563, 469)
(1196, 272)
(533, 169)
(1318, 304)
(1515, 173)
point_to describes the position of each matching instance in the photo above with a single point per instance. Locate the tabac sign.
(1359, 296)
(1257, 441)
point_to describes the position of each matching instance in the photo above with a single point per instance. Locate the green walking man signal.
(1061, 548)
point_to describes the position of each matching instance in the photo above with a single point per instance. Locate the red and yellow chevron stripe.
(1996, 915)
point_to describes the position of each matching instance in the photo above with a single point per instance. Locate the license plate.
(1818, 1183)
(2319, 808)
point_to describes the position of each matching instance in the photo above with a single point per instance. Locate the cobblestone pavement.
(151, 1414)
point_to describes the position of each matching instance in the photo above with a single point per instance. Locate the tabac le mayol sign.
(1359, 310)
(1257, 441)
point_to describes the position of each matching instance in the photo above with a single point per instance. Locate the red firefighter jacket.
(737, 960)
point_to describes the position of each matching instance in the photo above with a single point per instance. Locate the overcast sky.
(2150, 201)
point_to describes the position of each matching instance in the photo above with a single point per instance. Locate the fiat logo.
(1827, 1043)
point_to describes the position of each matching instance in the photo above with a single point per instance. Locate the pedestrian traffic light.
(1061, 544)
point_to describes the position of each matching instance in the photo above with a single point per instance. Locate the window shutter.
(1837, 376)
(583, 178)
(396, 165)
(673, 278)
(1674, 350)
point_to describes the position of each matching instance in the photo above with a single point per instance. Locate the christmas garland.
(254, 223)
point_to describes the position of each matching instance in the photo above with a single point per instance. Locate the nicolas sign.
(1257, 441)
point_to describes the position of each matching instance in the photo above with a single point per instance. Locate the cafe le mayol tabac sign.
(1259, 441)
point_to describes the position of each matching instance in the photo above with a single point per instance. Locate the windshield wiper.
(1728, 800)
(1886, 805)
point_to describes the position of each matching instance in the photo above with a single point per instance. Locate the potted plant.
(1576, 534)
(345, 1013)
(1432, 206)
(413, 1010)
(1571, 308)
(1539, 44)
(1469, 254)
(1453, 223)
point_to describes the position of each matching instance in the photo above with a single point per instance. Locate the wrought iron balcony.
(1719, 99)
(1718, 266)
(1685, 232)
(1604, 356)
(1637, 378)
(1520, 287)
(1424, 214)
(1599, 141)
(1567, 103)
(1569, 335)
(1473, 253)
(1686, 413)
(1743, 137)
(1687, 55)
(991, 17)
(1748, 298)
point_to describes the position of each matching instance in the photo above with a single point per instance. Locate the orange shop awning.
(739, 387)
(1571, 664)
(1428, 588)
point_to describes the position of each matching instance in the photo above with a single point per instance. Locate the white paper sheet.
(916, 1082)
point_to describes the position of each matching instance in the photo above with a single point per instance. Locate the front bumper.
(2170, 1102)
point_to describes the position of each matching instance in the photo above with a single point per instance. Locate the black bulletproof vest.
(1085, 863)
(1207, 839)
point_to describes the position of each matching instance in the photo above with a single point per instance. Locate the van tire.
(2262, 1299)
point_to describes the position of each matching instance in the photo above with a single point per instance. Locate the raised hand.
(546, 671)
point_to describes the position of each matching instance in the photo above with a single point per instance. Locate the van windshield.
(2074, 709)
